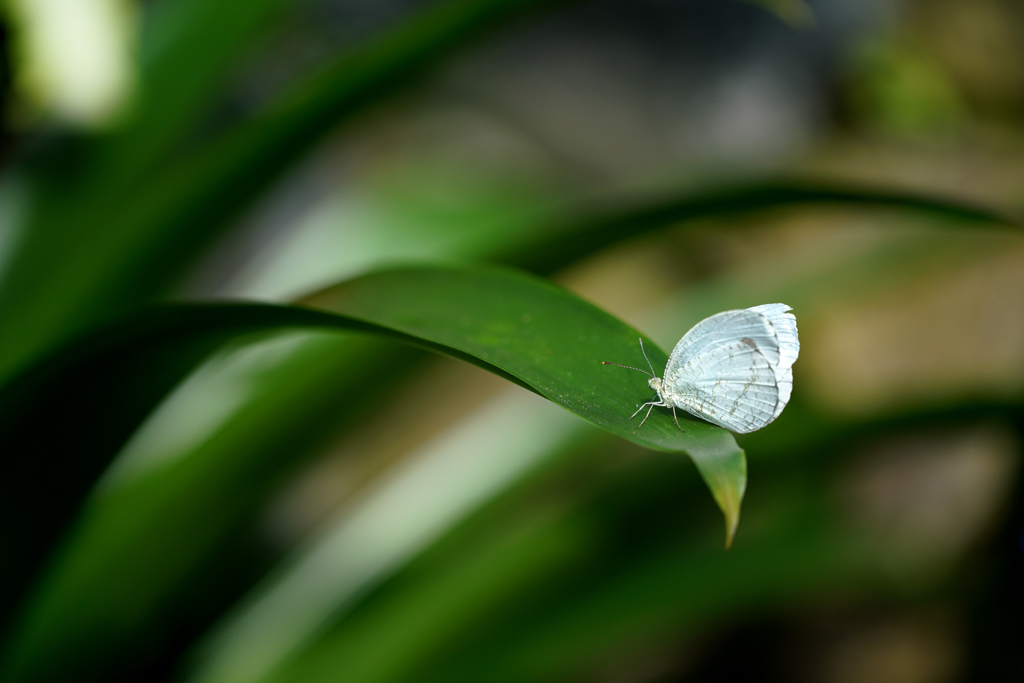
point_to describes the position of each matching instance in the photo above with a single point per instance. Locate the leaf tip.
(724, 470)
(732, 522)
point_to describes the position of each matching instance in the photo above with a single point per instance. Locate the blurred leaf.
(388, 523)
(184, 550)
(62, 421)
(523, 329)
(121, 250)
(640, 566)
(567, 241)
(188, 50)
(644, 574)
(487, 576)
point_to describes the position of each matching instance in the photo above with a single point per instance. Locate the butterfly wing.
(723, 370)
(784, 324)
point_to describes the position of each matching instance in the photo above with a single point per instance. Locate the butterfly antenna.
(646, 358)
(628, 367)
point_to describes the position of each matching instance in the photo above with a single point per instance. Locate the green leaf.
(178, 564)
(566, 241)
(522, 328)
(62, 421)
(121, 249)
(537, 334)
(181, 83)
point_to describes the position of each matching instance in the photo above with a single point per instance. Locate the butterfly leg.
(677, 420)
(651, 404)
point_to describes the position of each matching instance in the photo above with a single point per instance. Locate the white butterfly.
(734, 369)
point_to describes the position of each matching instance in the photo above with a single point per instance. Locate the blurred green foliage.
(296, 489)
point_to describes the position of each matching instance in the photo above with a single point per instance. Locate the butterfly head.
(655, 383)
